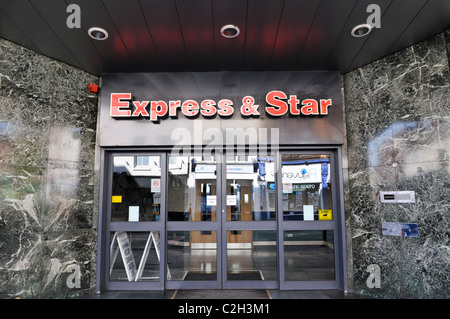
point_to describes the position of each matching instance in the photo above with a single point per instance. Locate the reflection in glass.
(136, 189)
(306, 187)
(309, 255)
(251, 255)
(134, 256)
(250, 188)
(192, 189)
(192, 255)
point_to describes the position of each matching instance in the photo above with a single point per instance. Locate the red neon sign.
(278, 104)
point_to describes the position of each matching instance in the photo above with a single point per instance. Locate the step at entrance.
(222, 294)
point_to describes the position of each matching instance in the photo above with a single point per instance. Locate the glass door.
(223, 221)
(308, 233)
(249, 241)
(193, 222)
(135, 229)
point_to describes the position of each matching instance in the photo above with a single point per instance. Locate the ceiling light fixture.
(98, 33)
(229, 31)
(361, 30)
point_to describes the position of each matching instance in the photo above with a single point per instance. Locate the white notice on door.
(211, 200)
(231, 200)
(308, 212)
(133, 213)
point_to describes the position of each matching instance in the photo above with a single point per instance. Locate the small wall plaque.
(398, 197)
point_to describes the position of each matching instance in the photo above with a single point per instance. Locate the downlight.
(98, 33)
(229, 31)
(361, 30)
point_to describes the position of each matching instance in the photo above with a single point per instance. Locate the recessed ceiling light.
(361, 30)
(229, 31)
(98, 33)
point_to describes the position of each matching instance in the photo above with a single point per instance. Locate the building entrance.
(221, 221)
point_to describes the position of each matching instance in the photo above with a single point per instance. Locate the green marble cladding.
(398, 138)
(47, 148)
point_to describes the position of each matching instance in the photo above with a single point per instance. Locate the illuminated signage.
(277, 102)
(221, 108)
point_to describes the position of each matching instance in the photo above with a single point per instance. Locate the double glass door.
(221, 221)
(221, 224)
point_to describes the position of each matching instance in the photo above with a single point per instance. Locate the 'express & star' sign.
(278, 104)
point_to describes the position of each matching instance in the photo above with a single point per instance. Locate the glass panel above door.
(192, 187)
(136, 188)
(250, 188)
(306, 187)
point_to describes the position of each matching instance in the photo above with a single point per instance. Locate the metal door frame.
(205, 226)
(106, 226)
(221, 226)
(337, 224)
(243, 225)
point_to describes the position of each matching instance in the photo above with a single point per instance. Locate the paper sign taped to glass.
(325, 214)
(116, 199)
(400, 229)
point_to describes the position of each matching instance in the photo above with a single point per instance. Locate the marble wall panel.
(397, 121)
(47, 150)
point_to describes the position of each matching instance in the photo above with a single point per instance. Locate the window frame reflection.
(187, 256)
(307, 188)
(136, 189)
(248, 196)
(317, 251)
(135, 256)
(192, 189)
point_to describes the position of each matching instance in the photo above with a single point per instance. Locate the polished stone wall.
(398, 138)
(47, 149)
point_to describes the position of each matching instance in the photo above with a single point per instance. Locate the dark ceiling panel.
(326, 28)
(74, 39)
(263, 19)
(229, 51)
(437, 11)
(184, 35)
(294, 28)
(130, 23)
(37, 30)
(10, 31)
(394, 21)
(113, 51)
(163, 23)
(198, 34)
(347, 47)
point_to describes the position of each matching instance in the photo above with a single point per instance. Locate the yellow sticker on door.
(325, 214)
(117, 199)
